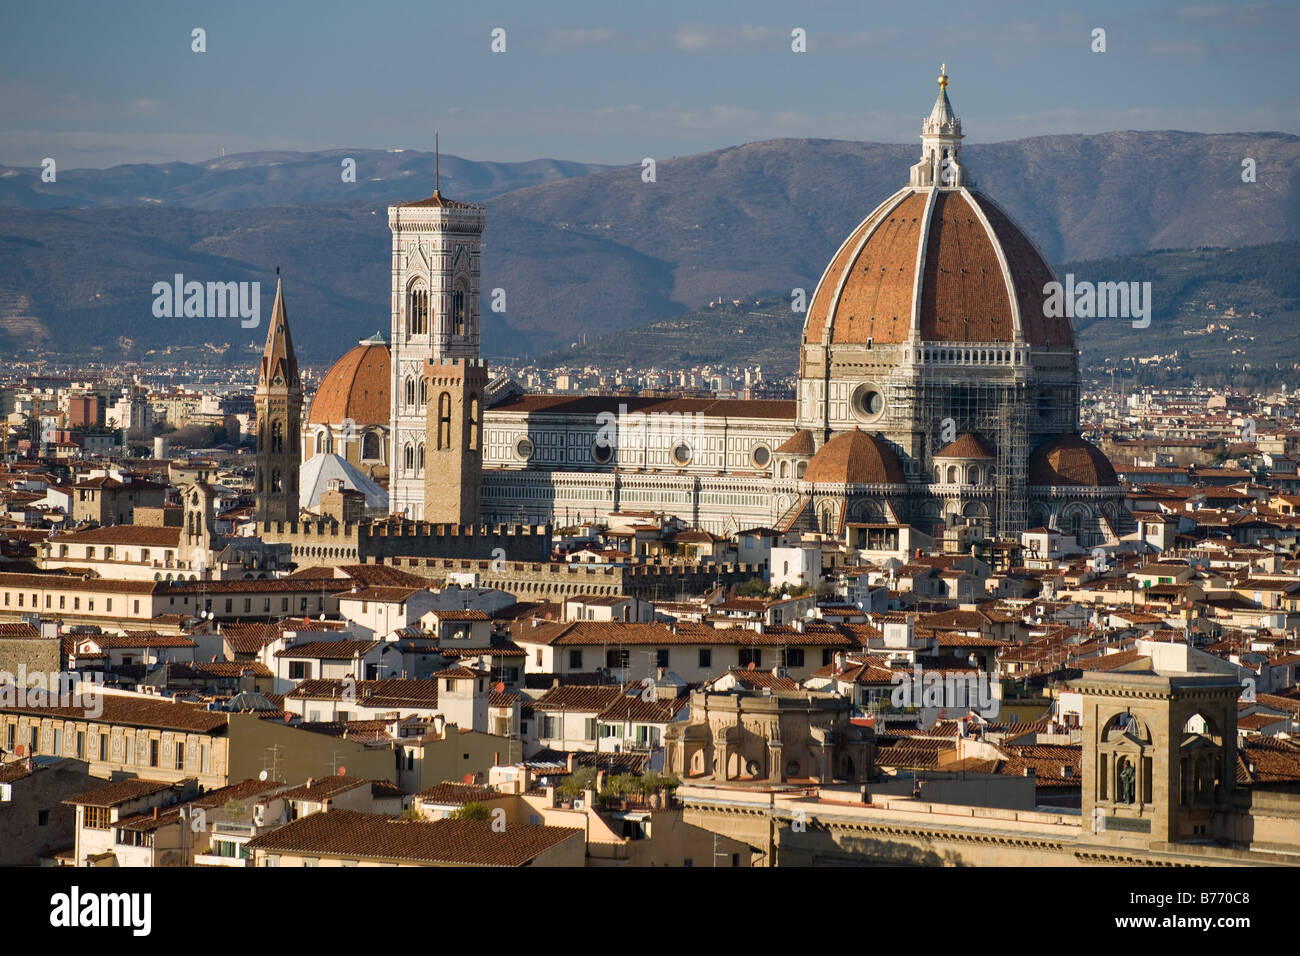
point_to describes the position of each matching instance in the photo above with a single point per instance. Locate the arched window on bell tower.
(277, 437)
(444, 421)
(417, 309)
(459, 308)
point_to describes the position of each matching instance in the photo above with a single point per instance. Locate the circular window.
(682, 453)
(868, 401)
(524, 449)
(601, 453)
(761, 456)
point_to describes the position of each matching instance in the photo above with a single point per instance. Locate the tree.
(472, 811)
(584, 778)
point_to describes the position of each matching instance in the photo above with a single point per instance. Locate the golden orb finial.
(943, 77)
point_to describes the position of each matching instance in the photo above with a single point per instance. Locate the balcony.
(212, 859)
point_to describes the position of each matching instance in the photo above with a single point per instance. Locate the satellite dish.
(262, 776)
(343, 771)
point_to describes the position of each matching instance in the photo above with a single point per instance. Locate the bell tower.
(278, 402)
(1159, 756)
(437, 245)
(454, 440)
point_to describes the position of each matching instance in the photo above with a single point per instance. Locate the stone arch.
(417, 308)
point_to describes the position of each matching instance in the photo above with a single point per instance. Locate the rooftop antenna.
(437, 175)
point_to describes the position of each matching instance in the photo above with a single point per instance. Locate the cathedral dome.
(937, 262)
(854, 458)
(1069, 460)
(356, 387)
(981, 278)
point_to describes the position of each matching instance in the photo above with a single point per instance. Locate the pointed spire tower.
(941, 138)
(279, 416)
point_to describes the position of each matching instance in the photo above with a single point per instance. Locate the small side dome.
(800, 443)
(855, 458)
(965, 446)
(1069, 460)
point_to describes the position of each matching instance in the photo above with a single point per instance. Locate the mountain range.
(576, 248)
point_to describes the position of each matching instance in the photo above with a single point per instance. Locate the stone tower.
(1159, 755)
(453, 440)
(435, 317)
(278, 401)
(199, 522)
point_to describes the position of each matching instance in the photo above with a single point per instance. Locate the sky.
(99, 84)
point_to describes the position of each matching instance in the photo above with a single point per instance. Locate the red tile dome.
(981, 278)
(1069, 460)
(357, 387)
(855, 458)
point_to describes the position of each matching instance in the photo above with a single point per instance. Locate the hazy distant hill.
(1190, 289)
(281, 178)
(604, 251)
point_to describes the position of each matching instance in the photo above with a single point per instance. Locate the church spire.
(278, 404)
(941, 138)
(279, 364)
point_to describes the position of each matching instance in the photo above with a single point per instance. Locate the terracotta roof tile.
(346, 833)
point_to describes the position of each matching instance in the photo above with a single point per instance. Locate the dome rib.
(826, 297)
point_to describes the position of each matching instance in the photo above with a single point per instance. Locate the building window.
(95, 818)
(793, 657)
(661, 657)
(751, 655)
(575, 659)
(417, 310)
(458, 310)
(299, 670)
(153, 753)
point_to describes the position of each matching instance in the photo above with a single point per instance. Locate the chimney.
(310, 781)
(155, 813)
(569, 762)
